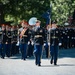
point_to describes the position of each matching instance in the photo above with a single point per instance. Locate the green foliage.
(17, 10)
(62, 9)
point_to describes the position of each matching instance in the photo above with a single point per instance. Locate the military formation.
(31, 40)
(67, 37)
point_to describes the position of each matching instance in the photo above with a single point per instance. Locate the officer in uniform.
(74, 37)
(71, 37)
(54, 43)
(8, 40)
(3, 41)
(16, 34)
(24, 38)
(46, 47)
(65, 38)
(0, 41)
(30, 48)
(14, 40)
(39, 39)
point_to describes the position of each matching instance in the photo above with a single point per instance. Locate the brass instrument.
(32, 21)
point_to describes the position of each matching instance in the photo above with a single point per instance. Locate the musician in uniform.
(39, 39)
(24, 38)
(54, 43)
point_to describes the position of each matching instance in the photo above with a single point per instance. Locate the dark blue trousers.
(54, 53)
(0, 49)
(46, 49)
(8, 49)
(38, 53)
(30, 50)
(3, 52)
(13, 49)
(23, 48)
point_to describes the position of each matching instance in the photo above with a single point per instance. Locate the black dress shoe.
(2, 57)
(51, 61)
(24, 59)
(39, 64)
(35, 63)
(55, 64)
(21, 57)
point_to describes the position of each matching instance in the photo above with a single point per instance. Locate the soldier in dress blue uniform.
(8, 40)
(14, 40)
(69, 35)
(61, 38)
(39, 39)
(46, 45)
(54, 43)
(65, 38)
(30, 44)
(24, 38)
(16, 34)
(0, 41)
(3, 52)
(72, 37)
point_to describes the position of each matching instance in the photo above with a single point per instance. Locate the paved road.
(15, 66)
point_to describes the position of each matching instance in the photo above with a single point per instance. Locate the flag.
(47, 16)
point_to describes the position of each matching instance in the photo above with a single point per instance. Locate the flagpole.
(50, 26)
(50, 12)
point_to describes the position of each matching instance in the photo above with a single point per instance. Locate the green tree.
(17, 10)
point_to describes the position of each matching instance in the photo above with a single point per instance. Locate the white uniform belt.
(54, 37)
(0, 32)
(37, 36)
(24, 35)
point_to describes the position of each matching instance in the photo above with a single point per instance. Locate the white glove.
(48, 43)
(60, 44)
(32, 43)
(18, 43)
(28, 42)
(44, 44)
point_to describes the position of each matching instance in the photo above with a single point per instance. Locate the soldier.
(61, 38)
(17, 45)
(30, 44)
(0, 41)
(72, 37)
(24, 38)
(3, 41)
(14, 40)
(64, 34)
(54, 43)
(39, 39)
(46, 45)
(8, 40)
(30, 48)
